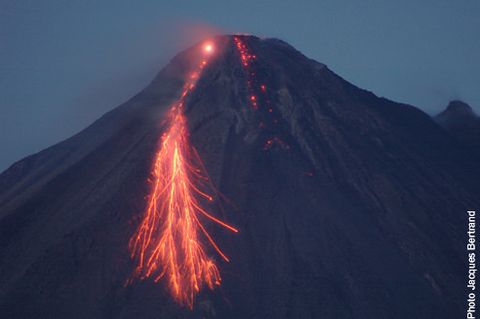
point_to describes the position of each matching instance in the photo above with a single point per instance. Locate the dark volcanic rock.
(460, 120)
(356, 210)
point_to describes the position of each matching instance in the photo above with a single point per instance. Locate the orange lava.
(168, 242)
(258, 96)
(247, 59)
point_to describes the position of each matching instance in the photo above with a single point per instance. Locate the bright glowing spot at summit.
(208, 48)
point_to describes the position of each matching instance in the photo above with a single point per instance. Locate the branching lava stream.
(168, 242)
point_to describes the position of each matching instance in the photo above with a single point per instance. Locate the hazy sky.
(65, 63)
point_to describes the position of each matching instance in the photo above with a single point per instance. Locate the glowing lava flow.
(247, 59)
(167, 243)
(258, 96)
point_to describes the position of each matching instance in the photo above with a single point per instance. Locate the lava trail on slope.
(167, 243)
(258, 97)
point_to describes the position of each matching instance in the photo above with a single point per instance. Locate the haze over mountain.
(348, 205)
(64, 64)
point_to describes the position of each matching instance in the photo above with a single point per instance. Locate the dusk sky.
(65, 63)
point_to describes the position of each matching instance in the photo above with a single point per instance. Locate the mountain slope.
(348, 205)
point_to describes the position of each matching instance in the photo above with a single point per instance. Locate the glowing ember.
(167, 243)
(208, 48)
(269, 143)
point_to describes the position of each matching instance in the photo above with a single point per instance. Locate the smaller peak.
(459, 107)
(456, 113)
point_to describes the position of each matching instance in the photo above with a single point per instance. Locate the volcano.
(347, 205)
